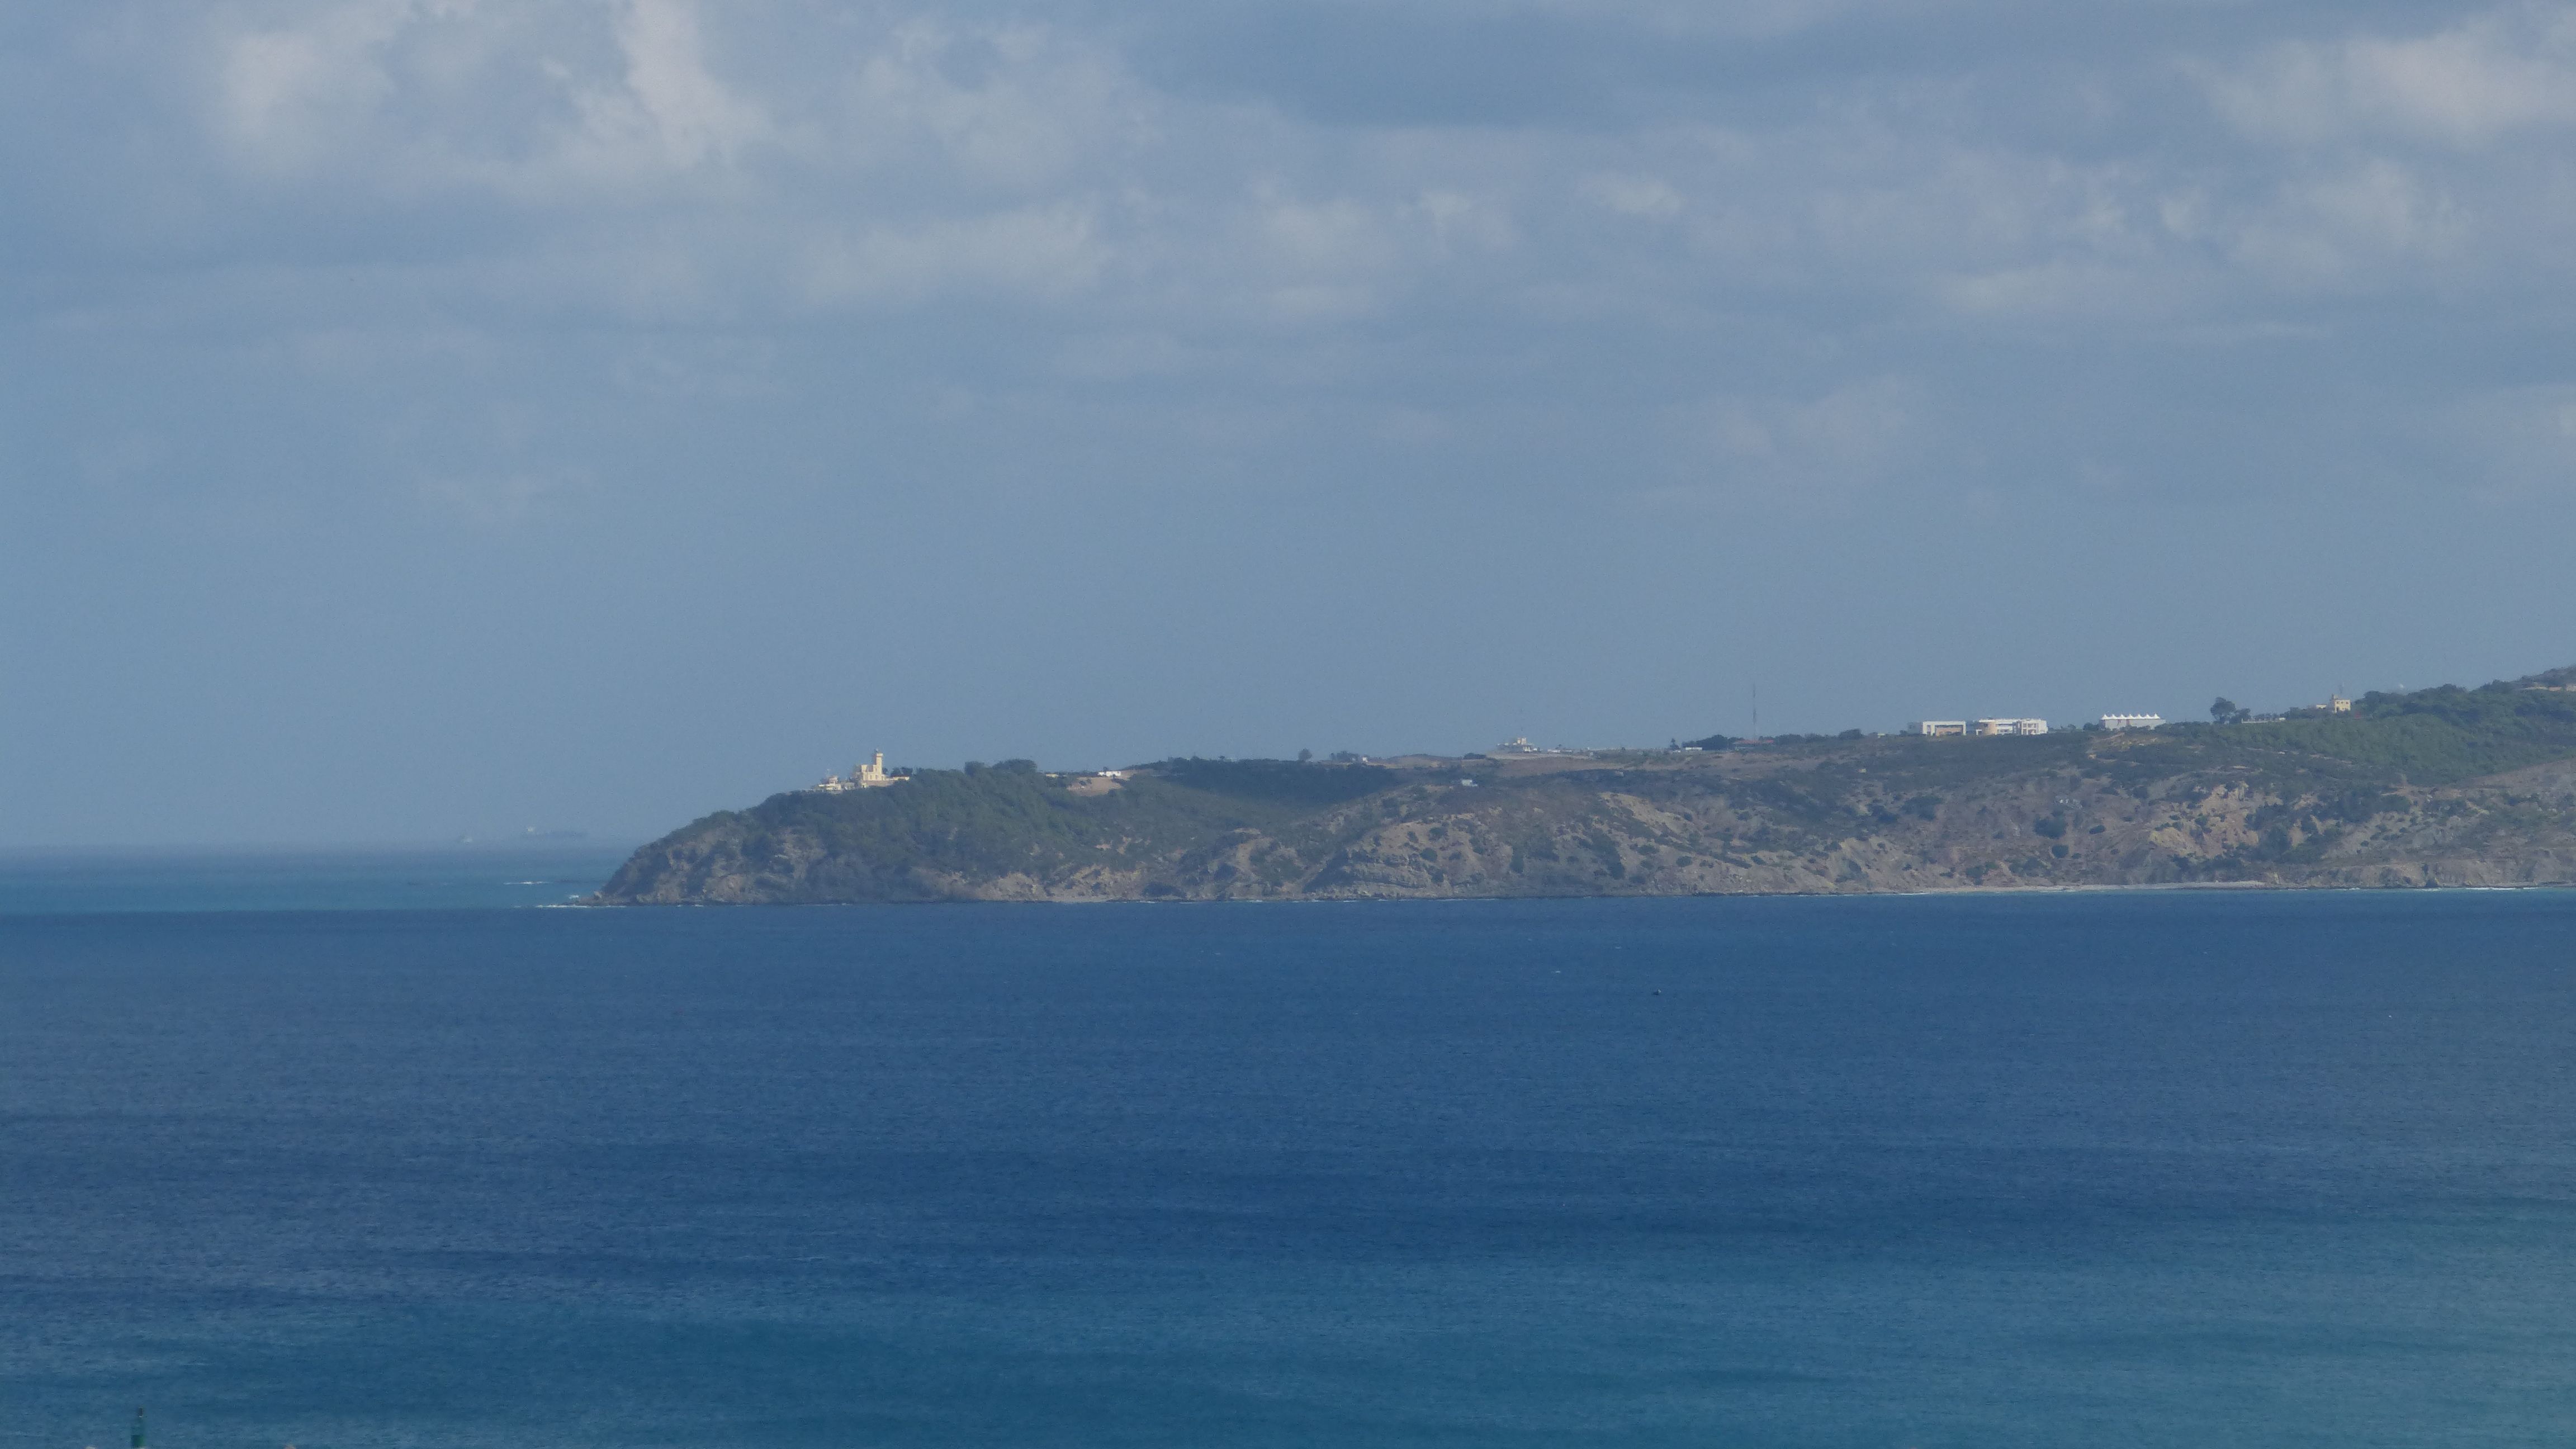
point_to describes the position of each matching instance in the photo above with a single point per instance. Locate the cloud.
(290, 95)
(669, 158)
(2355, 225)
(1037, 252)
(1014, 106)
(502, 502)
(1096, 316)
(413, 97)
(2525, 437)
(667, 110)
(1648, 197)
(119, 461)
(553, 164)
(2472, 85)
(2065, 289)
(1789, 451)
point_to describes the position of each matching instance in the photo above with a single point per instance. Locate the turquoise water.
(451, 878)
(2137, 1170)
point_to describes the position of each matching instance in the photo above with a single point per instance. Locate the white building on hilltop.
(1931, 727)
(1993, 727)
(870, 776)
(2133, 721)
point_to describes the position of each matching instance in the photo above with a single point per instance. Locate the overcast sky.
(433, 417)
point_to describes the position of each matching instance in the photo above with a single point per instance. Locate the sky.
(432, 418)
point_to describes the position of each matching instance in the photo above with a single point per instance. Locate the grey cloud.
(718, 164)
(1307, 343)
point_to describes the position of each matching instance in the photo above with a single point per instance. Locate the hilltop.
(2443, 786)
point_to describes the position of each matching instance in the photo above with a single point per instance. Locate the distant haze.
(440, 417)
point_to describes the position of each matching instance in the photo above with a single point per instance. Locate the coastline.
(1886, 815)
(2138, 888)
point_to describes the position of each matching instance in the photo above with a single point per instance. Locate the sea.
(384, 1151)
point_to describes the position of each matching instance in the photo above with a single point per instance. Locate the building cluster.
(870, 776)
(1936, 728)
(1993, 728)
(1520, 745)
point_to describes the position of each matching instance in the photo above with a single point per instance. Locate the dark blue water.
(2134, 1170)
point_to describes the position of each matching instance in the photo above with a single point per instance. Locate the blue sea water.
(2166, 1169)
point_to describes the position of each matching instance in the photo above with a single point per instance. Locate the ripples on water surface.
(2138, 1170)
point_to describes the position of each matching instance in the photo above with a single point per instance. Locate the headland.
(2448, 786)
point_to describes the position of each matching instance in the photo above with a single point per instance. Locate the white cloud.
(1339, 236)
(2064, 289)
(1015, 106)
(290, 95)
(1739, 18)
(115, 462)
(1457, 220)
(1650, 197)
(499, 502)
(323, 271)
(2353, 228)
(1045, 252)
(667, 109)
(2492, 75)
(656, 160)
(1744, 450)
(411, 97)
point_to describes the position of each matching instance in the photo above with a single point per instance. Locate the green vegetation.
(2429, 737)
(1276, 782)
(986, 821)
(2317, 796)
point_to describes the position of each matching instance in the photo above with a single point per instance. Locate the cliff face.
(1888, 814)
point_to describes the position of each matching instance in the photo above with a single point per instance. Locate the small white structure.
(2133, 721)
(870, 776)
(1936, 727)
(1994, 727)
